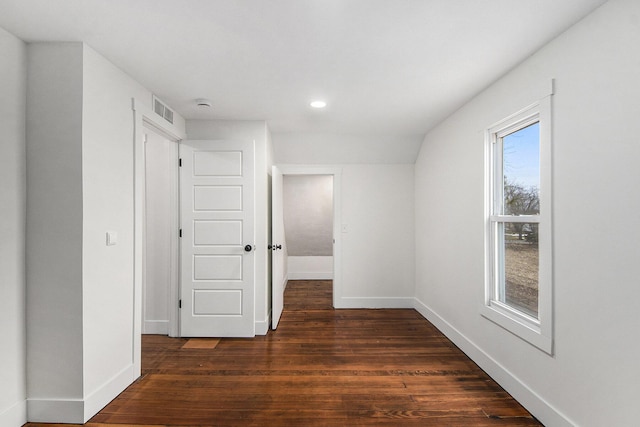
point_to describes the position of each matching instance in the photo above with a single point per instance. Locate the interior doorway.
(160, 255)
(308, 226)
(315, 251)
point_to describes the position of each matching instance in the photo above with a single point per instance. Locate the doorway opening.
(144, 119)
(161, 225)
(306, 230)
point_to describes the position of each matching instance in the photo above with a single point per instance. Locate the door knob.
(278, 246)
(248, 248)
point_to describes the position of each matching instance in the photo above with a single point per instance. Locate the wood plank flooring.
(322, 367)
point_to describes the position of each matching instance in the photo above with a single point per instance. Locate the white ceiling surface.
(387, 68)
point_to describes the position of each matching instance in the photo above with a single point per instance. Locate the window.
(518, 225)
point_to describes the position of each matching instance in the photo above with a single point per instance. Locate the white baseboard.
(99, 398)
(262, 326)
(310, 267)
(375, 302)
(534, 403)
(156, 327)
(15, 415)
(69, 411)
(311, 275)
(79, 411)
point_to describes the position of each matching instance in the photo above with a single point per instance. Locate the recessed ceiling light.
(318, 104)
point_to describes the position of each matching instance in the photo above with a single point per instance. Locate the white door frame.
(174, 241)
(144, 116)
(336, 172)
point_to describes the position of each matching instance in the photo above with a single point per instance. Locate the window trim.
(538, 332)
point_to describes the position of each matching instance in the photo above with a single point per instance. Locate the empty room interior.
(320, 212)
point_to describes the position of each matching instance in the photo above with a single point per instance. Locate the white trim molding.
(375, 302)
(533, 402)
(262, 326)
(311, 275)
(537, 330)
(79, 411)
(156, 327)
(15, 415)
(68, 411)
(143, 116)
(99, 398)
(294, 169)
(310, 267)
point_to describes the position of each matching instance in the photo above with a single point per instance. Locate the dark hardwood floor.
(321, 367)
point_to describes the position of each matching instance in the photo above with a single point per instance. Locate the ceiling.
(385, 67)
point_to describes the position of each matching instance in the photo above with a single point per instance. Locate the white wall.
(54, 226)
(308, 214)
(378, 246)
(253, 130)
(377, 263)
(592, 378)
(80, 295)
(107, 179)
(310, 267)
(13, 71)
(326, 149)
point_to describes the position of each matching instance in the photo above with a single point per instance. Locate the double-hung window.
(518, 283)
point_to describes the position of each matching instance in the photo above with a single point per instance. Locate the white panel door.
(277, 236)
(217, 252)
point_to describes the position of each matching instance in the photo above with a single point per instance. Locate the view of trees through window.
(521, 169)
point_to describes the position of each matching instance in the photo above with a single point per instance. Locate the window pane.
(520, 287)
(521, 170)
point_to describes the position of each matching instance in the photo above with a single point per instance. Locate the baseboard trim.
(310, 275)
(15, 415)
(375, 302)
(533, 402)
(79, 411)
(68, 411)
(156, 327)
(99, 398)
(262, 326)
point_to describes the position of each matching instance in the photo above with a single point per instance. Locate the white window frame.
(536, 331)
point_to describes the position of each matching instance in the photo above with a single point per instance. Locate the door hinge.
(180, 303)
(180, 232)
(179, 163)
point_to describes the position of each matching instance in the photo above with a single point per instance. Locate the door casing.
(173, 289)
(336, 172)
(142, 116)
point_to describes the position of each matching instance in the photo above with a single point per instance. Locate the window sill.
(519, 326)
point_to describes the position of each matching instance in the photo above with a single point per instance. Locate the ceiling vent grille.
(162, 110)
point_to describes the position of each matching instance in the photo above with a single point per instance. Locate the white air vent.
(162, 110)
